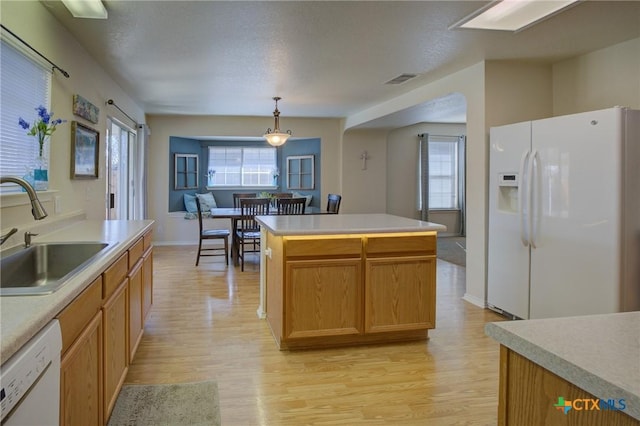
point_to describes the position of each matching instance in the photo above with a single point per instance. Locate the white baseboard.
(474, 300)
(175, 243)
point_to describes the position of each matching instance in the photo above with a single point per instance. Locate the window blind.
(24, 85)
(244, 166)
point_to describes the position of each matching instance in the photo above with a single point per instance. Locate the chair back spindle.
(333, 203)
(291, 205)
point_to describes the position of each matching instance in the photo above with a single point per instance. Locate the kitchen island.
(567, 371)
(347, 279)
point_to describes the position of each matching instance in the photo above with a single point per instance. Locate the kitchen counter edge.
(598, 353)
(21, 317)
(326, 224)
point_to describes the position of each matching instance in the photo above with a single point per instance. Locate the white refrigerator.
(564, 215)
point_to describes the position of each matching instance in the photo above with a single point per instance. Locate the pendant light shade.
(276, 137)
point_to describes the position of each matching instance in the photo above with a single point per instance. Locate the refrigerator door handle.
(534, 217)
(523, 204)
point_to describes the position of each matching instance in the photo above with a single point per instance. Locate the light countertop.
(598, 353)
(21, 317)
(325, 224)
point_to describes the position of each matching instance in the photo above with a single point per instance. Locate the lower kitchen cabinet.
(116, 348)
(410, 283)
(81, 378)
(529, 393)
(101, 330)
(323, 298)
(147, 283)
(81, 363)
(331, 290)
(135, 299)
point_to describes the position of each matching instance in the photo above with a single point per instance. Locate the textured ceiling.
(324, 58)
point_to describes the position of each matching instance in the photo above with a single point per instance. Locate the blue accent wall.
(181, 146)
(302, 147)
(224, 197)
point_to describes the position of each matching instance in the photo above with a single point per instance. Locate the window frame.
(19, 150)
(451, 178)
(267, 173)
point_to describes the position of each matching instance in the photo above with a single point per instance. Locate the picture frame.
(85, 109)
(85, 146)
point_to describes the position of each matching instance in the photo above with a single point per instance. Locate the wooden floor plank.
(203, 326)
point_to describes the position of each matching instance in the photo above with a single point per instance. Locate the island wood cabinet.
(101, 330)
(529, 391)
(400, 283)
(328, 290)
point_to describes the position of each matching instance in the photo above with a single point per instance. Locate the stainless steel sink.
(44, 267)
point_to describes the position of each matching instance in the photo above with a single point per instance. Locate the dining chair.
(291, 205)
(238, 196)
(333, 203)
(247, 234)
(211, 234)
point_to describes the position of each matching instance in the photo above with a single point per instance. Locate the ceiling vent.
(401, 78)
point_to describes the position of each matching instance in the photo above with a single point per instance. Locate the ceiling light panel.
(512, 15)
(93, 9)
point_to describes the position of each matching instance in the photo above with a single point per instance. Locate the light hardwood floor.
(203, 326)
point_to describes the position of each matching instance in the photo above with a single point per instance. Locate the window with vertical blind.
(24, 85)
(443, 175)
(442, 165)
(242, 166)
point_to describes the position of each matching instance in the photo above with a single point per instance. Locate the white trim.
(26, 51)
(14, 198)
(474, 300)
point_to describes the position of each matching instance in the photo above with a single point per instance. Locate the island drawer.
(401, 244)
(324, 247)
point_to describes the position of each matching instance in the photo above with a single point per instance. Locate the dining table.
(234, 215)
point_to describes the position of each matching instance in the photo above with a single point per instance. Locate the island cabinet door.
(323, 298)
(400, 293)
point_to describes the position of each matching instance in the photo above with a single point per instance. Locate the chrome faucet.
(6, 236)
(27, 238)
(37, 210)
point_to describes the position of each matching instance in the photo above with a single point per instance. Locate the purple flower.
(43, 127)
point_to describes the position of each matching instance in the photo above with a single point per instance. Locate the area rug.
(453, 249)
(168, 405)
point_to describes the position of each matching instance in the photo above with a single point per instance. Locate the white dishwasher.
(30, 381)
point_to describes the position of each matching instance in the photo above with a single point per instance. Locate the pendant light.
(275, 137)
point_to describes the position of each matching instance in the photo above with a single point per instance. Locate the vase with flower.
(43, 127)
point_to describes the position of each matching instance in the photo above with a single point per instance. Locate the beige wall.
(364, 191)
(402, 165)
(171, 227)
(470, 83)
(601, 79)
(32, 22)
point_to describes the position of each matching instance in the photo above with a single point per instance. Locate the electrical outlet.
(57, 204)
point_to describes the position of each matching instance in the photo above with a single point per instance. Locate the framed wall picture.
(84, 151)
(85, 109)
